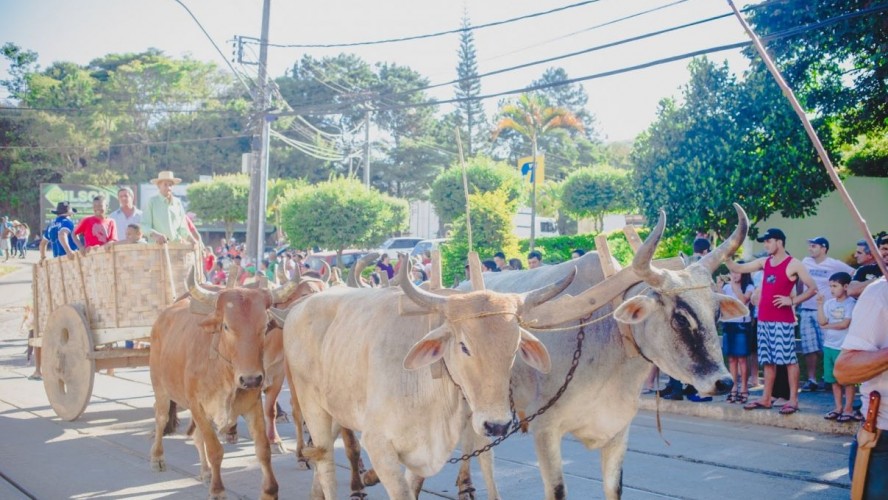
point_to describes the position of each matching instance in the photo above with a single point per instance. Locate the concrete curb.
(808, 418)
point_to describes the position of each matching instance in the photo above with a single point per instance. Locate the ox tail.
(173, 422)
(314, 453)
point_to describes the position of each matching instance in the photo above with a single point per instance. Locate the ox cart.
(84, 305)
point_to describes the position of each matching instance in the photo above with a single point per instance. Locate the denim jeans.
(876, 486)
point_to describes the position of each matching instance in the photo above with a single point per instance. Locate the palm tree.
(533, 117)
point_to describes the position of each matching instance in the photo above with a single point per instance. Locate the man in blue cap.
(820, 267)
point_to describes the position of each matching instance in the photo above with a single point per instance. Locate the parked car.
(427, 245)
(349, 257)
(394, 245)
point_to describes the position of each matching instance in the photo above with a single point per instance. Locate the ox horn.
(281, 274)
(202, 301)
(325, 270)
(712, 260)
(283, 293)
(642, 261)
(422, 297)
(233, 275)
(536, 297)
(354, 273)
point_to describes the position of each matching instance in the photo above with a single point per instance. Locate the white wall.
(424, 222)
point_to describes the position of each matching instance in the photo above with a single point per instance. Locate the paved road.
(104, 454)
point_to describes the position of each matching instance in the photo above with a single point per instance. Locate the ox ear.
(635, 310)
(428, 350)
(730, 308)
(534, 353)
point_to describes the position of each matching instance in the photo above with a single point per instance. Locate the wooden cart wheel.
(68, 372)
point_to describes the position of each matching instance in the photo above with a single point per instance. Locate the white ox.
(672, 316)
(358, 363)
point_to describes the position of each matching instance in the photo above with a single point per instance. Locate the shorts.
(829, 363)
(735, 339)
(776, 343)
(810, 331)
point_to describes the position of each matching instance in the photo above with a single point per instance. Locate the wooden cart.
(84, 306)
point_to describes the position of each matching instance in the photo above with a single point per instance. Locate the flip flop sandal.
(755, 405)
(833, 415)
(845, 418)
(732, 397)
(789, 409)
(742, 397)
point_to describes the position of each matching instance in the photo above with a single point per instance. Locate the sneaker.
(810, 386)
(673, 397)
(699, 399)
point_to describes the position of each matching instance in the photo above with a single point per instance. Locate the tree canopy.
(222, 199)
(483, 175)
(597, 191)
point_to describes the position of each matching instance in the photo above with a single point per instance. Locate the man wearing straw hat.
(164, 218)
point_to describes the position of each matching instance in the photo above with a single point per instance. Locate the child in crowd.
(834, 316)
(735, 334)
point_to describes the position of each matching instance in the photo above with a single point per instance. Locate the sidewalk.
(812, 407)
(15, 292)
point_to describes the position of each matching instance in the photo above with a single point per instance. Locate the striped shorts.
(809, 328)
(776, 343)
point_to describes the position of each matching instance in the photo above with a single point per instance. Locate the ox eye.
(465, 349)
(680, 322)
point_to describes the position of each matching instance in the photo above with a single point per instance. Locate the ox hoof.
(357, 495)
(231, 438)
(467, 494)
(278, 448)
(218, 496)
(268, 496)
(158, 465)
(302, 464)
(370, 478)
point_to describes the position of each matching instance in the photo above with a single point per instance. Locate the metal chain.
(581, 334)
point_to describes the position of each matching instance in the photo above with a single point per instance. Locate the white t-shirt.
(122, 221)
(836, 312)
(821, 273)
(869, 332)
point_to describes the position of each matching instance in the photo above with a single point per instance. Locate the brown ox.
(212, 363)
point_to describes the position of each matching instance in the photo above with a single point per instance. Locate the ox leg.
(612, 455)
(255, 420)
(270, 411)
(548, 449)
(415, 483)
(296, 411)
(214, 451)
(205, 474)
(161, 417)
(387, 467)
(353, 452)
(320, 424)
(473, 441)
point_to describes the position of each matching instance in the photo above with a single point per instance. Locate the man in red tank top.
(776, 314)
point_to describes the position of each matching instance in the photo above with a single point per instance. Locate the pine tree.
(470, 113)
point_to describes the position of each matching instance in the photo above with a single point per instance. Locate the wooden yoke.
(607, 267)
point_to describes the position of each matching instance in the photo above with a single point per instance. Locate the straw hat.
(166, 175)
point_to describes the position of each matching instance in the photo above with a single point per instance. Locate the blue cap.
(820, 240)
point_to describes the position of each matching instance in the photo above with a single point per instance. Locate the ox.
(207, 355)
(361, 365)
(672, 318)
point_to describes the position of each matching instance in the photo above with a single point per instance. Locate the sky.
(624, 105)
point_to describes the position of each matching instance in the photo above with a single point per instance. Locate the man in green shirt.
(164, 218)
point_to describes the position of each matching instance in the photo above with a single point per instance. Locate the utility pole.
(259, 163)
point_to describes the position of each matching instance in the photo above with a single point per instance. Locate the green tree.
(483, 175)
(223, 199)
(341, 213)
(492, 213)
(596, 191)
(532, 117)
(868, 156)
(839, 69)
(728, 142)
(470, 113)
(21, 63)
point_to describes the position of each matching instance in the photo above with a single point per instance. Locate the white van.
(545, 226)
(426, 245)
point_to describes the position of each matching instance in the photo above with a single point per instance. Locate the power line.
(337, 108)
(428, 35)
